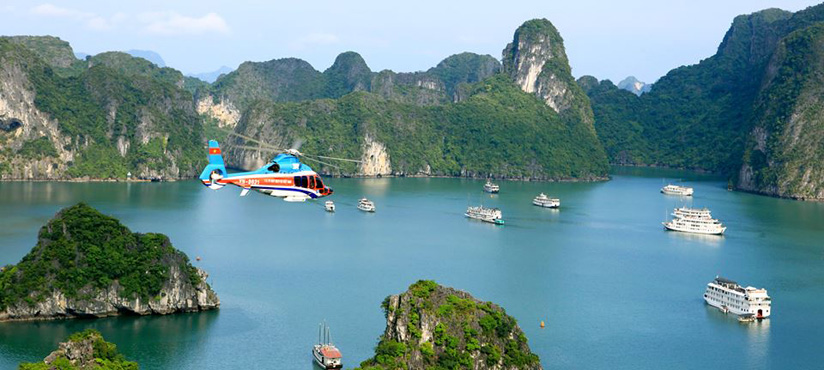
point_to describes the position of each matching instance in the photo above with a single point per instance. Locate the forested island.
(435, 327)
(88, 265)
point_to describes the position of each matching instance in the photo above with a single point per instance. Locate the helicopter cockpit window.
(311, 182)
(318, 183)
(274, 167)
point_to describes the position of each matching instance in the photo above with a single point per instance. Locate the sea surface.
(615, 290)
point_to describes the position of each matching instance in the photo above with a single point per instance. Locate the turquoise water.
(615, 289)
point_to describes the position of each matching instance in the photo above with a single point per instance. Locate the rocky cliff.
(85, 350)
(86, 264)
(431, 326)
(785, 151)
(537, 62)
(105, 119)
(746, 112)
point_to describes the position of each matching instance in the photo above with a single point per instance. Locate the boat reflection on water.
(709, 240)
(376, 186)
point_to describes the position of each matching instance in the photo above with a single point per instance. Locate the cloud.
(90, 20)
(159, 23)
(171, 23)
(50, 10)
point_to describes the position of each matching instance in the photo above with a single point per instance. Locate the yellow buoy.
(542, 324)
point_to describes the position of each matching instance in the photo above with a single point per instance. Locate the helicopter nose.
(329, 191)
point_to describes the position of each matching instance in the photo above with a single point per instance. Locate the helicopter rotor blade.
(321, 162)
(340, 159)
(261, 149)
(250, 139)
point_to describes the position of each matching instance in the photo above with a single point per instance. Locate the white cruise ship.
(677, 190)
(728, 296)
(490, 187)
(491, 215)
(366, 205)
(689, 220)
(544, 201)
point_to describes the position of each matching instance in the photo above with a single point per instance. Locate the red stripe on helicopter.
(214, 151)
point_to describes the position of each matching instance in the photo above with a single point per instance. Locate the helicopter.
(284, 176)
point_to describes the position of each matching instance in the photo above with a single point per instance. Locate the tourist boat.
(329, 205)
(366, 205)
(325, 353)
(544, 201)
(728, 296)
(489, 187)
(690, 220)
(677, 190)
(491, 215)
(697, 213)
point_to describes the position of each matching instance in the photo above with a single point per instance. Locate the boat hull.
(734, 311)
(496, 221)
(671, 227)
(545, 205)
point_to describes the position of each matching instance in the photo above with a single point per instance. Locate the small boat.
(677, 190)
(366, 205)
(746, 318)
(325, 353)
(491, 188)
(329, 205)
(491, 215)
(544, 201)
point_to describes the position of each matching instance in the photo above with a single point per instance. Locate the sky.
(606, 39)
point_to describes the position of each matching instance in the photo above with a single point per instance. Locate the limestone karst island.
(411, 186)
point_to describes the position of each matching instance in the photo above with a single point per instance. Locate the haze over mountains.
(749, 112)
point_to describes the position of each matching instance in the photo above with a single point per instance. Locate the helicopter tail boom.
(216, 169)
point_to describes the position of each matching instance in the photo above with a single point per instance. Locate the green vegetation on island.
(122, 114)
(434, 327)
(498, 130)
(81, 252)
(749, 112)
(86, 350)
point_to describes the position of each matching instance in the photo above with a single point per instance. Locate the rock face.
(375, 159)
(100, 119)
(82, 351)
(748, 112)
(87, 265)
(537, 62)
(785, 154)
(431, 326)
(224, 112)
